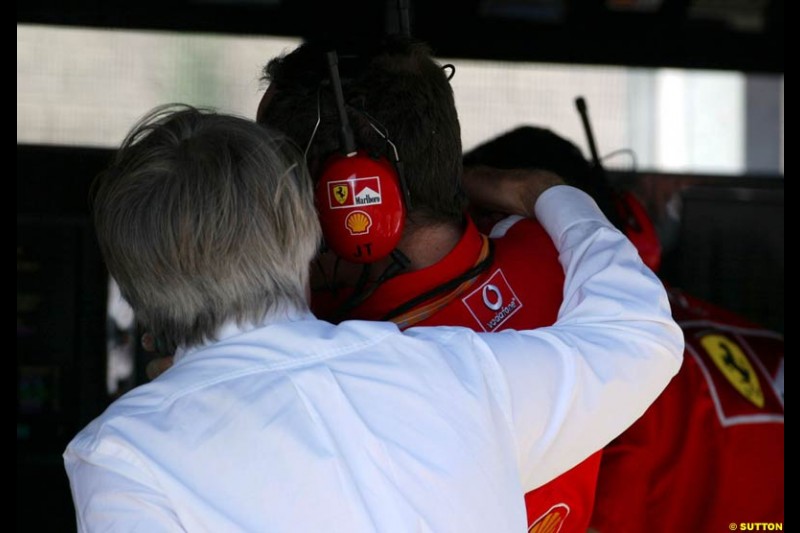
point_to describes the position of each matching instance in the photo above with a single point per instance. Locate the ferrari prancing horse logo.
(340, 193)
(735, 366)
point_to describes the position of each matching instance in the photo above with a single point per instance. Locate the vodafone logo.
(493, 302)
(490, 292)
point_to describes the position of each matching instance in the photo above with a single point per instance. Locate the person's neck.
(427, 245)
(423, 245)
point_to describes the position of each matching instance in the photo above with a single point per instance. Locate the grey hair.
(203, 218)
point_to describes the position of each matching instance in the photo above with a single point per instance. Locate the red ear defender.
(640, 230)
(360, 205)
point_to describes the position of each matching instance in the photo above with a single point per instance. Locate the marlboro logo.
(358, 192)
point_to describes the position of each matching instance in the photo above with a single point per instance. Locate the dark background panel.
(730, 250)
(722, 238)
(734, 35)
(61, 307)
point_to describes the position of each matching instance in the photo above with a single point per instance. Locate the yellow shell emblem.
(358, 223)
(551, 521)
(735, 366)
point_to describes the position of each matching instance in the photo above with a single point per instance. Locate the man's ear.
(158, 366)
(263, 103)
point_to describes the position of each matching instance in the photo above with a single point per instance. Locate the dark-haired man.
(398, 97)
(709, 452)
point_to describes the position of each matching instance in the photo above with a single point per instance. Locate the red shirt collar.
(406, 286)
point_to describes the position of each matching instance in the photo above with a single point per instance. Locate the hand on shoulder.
(507, 191)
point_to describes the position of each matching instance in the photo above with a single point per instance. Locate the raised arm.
(571, 388)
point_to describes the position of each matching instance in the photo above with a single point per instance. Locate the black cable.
(604, 192)
(329, 286)
(348, 143)
(402, 15)
(399, 263)
(383, 131)
(628, 151)
(583, 111)
(473, 272)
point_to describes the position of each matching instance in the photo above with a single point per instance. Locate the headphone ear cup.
(360, 206)
(640, 230)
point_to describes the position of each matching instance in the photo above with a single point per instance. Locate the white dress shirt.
(301, 426)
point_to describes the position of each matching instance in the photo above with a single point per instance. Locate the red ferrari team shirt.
(708, 454)
(519, 286)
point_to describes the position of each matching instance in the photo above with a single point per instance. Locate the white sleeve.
(112, 494)
(572, 387)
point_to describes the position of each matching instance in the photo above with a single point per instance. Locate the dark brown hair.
(394, 85)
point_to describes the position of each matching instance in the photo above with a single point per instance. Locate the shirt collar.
(403, 287)
(231, 328)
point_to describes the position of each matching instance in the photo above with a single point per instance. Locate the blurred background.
(685, 97)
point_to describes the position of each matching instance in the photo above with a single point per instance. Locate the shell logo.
(358, 223)
(551, 521)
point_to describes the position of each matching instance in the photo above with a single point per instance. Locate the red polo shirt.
(709, 452)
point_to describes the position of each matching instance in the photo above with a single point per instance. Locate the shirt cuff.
(561, 206)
